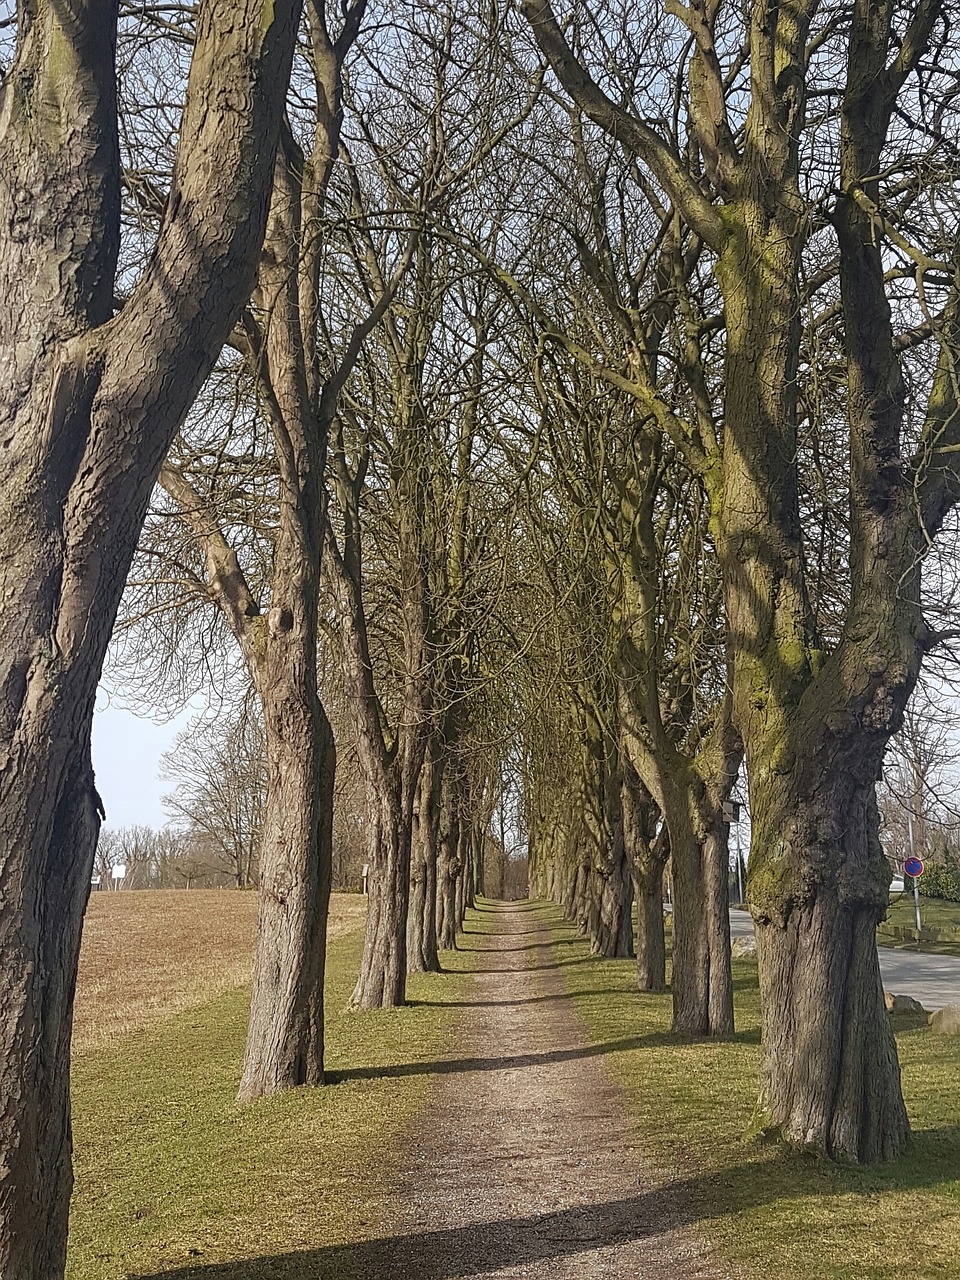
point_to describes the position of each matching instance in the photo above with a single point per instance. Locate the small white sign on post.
(119, 873)
(365, 873)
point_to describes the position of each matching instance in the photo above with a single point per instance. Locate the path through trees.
(524, 1164)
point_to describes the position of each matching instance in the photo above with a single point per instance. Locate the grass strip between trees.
(941, 925)
(172, 1173)
(771, 1212)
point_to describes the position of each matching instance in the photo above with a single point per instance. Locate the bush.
(941, 876)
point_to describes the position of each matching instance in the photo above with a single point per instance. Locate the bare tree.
(766, 99)
(89, 404)
(219, 768)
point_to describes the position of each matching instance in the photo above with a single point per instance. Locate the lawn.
(772, 1212)
(938, 916)
(172, 1174)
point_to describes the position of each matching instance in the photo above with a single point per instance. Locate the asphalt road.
(933, 980)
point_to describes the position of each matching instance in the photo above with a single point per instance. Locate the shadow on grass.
(483, 1247)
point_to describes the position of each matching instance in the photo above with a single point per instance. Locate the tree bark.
(285, 1036)
(612, 928)
(88, 408)
(422, 956)
(647, 851)
(449, 863)
(701, 983)
(830, 1079)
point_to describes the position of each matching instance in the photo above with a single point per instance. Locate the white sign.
(119, 871)
(366, 870)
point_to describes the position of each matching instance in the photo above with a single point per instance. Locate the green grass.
(772, 1212)
(940, 917)
(173, 1173)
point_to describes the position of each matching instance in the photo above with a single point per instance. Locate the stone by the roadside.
(946, 1021)
(902, 1004)
(741, 947)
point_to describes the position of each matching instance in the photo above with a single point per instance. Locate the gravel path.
(524, 1164)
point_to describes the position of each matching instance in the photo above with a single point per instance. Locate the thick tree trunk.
(701, 982)
(36, 1177)
(383, 968)
(576, 898)
(613, 884)
(447, 908)
(422, 954)
(830, 1077)
(285, 1034)
(651, 934)
(88, 407)
(612, 928)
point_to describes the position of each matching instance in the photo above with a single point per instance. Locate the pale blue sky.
(126, 760)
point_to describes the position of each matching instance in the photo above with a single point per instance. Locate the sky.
(126, 761)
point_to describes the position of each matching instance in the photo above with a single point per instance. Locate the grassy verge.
(172, 1173)
(941, 925)
(771, 1212)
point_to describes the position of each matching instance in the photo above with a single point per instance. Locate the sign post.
(913, 867)
(366, 873)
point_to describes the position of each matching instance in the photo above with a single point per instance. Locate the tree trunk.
(383, 968)
(715, 860)
(612, 930)
(830, 1077)
(647, 852)
(285, 1034)
(447, 905)
(477, 859)
(702, 982)
(422, 954)
(449, 863)
(88, 407)
(651, 935)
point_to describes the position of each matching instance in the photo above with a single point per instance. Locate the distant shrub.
(941, 876)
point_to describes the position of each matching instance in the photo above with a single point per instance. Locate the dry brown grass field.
(148, 954)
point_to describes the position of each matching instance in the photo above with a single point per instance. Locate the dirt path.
(525, 1165)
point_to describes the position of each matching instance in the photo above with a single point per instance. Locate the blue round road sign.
(913, 867)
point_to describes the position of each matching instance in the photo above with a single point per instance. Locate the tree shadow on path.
(448, 1066)
(484, 1247)
(522, 1000)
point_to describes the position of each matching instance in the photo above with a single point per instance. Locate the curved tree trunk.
(89, 404)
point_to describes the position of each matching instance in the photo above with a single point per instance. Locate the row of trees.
(548, 421)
